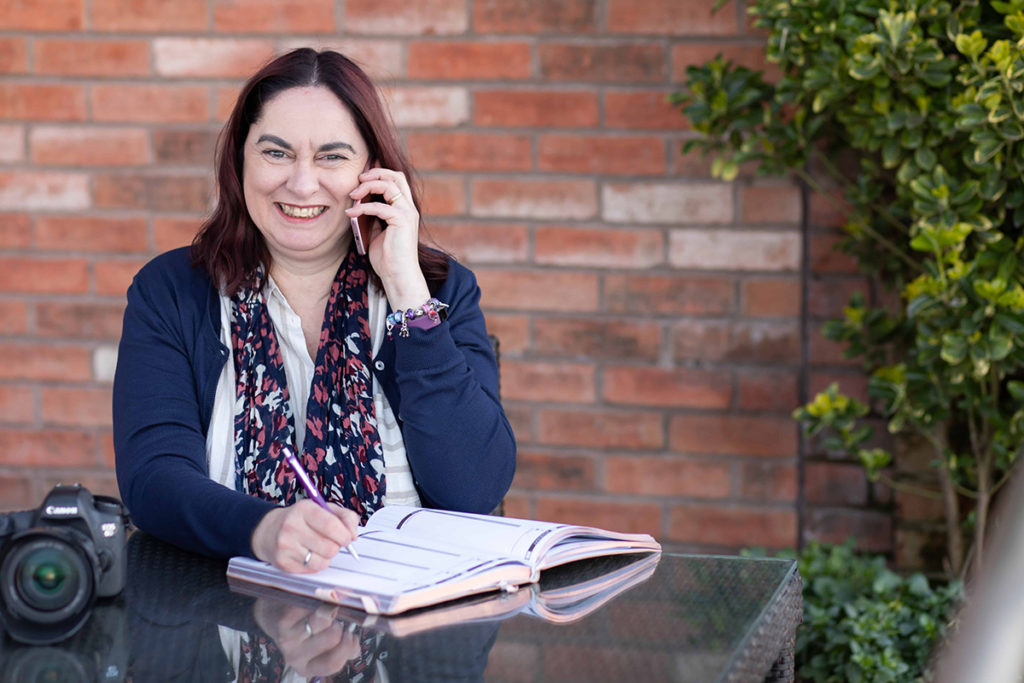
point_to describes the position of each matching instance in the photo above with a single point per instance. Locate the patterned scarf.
(342, 450)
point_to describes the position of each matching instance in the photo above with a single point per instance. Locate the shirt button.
(379, 365)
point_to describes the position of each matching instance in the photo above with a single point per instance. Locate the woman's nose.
(303, 180)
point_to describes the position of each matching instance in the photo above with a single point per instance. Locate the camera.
(56, 560)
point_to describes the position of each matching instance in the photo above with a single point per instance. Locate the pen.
(311, 491)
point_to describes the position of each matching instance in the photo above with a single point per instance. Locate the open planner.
(413, 557)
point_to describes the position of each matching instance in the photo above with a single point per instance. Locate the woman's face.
(301, 159)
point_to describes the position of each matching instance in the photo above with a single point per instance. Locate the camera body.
(56, 560)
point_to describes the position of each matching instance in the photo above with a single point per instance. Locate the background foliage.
(920, 101)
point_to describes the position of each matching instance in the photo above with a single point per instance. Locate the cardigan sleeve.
(459, 443)
(159, 438)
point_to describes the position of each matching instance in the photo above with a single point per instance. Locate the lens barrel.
(47, 583)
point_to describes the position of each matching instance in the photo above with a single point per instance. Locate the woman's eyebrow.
(328, 147)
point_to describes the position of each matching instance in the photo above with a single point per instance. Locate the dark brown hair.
(229, 246)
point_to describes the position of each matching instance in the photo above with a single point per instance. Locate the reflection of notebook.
(562, 596)
(413, 557)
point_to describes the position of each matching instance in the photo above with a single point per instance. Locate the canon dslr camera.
(56, 560)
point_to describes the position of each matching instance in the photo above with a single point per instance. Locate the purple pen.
(307, 484)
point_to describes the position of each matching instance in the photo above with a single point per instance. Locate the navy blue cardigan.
(441, 383)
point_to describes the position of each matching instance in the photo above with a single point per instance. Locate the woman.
(273, 331)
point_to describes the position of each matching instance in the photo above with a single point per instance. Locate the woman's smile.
(293, 211)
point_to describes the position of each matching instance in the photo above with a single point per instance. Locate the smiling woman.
(274, 331)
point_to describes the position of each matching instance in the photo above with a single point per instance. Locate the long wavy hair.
(228, 245)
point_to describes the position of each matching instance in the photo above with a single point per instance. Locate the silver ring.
(309, 556)
(309, 631)
(395, 199)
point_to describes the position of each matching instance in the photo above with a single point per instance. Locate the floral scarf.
(342, 450)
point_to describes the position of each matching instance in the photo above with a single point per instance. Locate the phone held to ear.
(360, 230)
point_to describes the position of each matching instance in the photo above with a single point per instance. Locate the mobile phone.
(360, 230)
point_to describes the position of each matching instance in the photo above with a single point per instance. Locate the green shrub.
(864, 622)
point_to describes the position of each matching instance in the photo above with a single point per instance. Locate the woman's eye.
(333, 158)
(274, 153)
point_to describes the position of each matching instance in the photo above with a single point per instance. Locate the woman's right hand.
(312, 642)
(286, 534)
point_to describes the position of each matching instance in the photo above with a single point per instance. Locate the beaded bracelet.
(426, 316)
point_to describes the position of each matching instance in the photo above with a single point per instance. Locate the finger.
(333, 659)
(348, 517)
(392, 192)
(387, 213)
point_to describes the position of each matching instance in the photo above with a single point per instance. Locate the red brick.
(535, 108)
(670, 17)
(515, 16)
(185, 147)
(548, 470)
(16, 492)
(733, 527)
(554, 382)
(827, 297)
(65, 448)
(601, 154)
(45, 190)
(429, 106)
(826, 257)
(13, 317)
(739, 341)
(73, 57)
(873, 530)
(80, 320)
(776, 204)
(156, 16)
(43, 15)
(913, 507)
(210, 57)
(13, 55)
(667, 388)
(169, 233)
(33, 361)
(224, 98)
(12, 143)
(597, 248)
(481, 242)
(99, 482)
(89, 233)
(532, 290)
(538, 199)
(518, 506)
(42, 101)
(766, 389)
(274, 16)
(671, 202)
(459, 151)
(920, 549)
(469, 61)
(443, 195)
(426, 17)
(833, 483)
(828, 211)
(113, 277)
(17, 404)
(631, 63)
(155, 192)
(734, 435)
(89, 146)
(752, 56)
(520, 416)
(691, 164)
(642, 110)
(651, 476)
(44, 276)
(604, 429)
(777, 297)
(15, 230)
(76, 407)
(625, 517)
(512, 331)
(597, 339)
(767, 481)
(669, 294)
(382, 59)
(747, 250)
(824, 351)
(150, 103)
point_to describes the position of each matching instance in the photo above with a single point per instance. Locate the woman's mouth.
(293, 211)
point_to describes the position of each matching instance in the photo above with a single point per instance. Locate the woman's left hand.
(393, 250)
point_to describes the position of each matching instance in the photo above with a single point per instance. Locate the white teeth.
(302, 212)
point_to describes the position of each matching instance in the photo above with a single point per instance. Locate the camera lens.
(48, 577)
(47, 584)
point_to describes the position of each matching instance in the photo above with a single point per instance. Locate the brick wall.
(649, 317)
